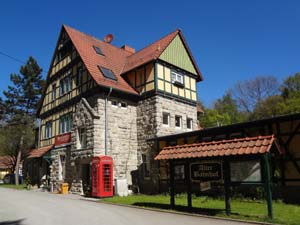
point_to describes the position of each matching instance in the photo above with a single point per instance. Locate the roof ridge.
(95, 38)
(260, 137)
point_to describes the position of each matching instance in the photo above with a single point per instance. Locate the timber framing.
(285, 128)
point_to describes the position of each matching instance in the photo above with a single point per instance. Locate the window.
(98, 50)
(114, 103)
(48, 129)
(123, 105)
(79, 76)
(65, 85)
(189, 123)
(177, 78)
(107, 73)
(178, 121)
(179, 173)
(65, 123)
(53, 92)
(81, 138)
(166, 118)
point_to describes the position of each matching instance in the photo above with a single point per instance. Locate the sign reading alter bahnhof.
(206, 171)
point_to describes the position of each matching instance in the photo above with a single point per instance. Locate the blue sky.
(230, 40)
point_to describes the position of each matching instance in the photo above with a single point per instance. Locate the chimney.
(128, 49)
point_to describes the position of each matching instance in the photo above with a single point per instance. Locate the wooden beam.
(189, 185)
(226, 171)
(172, 185)
(267, 181)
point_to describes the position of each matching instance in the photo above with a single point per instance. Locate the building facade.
(101, 99)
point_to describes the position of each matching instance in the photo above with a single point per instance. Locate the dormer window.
(98, 50)
(177, 78)
(107, 73)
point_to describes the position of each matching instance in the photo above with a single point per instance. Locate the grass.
(241, 209)
(13, 186)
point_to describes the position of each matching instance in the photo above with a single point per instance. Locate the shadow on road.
(203, 211)
(15, 222)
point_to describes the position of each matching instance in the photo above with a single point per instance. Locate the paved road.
(37, 208)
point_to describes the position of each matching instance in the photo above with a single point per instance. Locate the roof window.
(107, 73)
(98, 50)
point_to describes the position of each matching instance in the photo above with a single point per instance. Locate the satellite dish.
(108, 38)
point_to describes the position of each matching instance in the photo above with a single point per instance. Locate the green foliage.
(225, 111)
(21, 99)
(291, 86)
(10, 139)
(259, 98)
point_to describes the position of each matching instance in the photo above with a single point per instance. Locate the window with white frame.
(166, 118)
(189, 123)
(178, 121)
(177, 78)
(48, 129)
(81, 138)
(65, 123)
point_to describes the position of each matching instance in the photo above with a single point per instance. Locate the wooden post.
(226, 172)
(189, 186)
(267, 182)
(172, 185)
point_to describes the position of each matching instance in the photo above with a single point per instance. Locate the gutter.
(106, 120)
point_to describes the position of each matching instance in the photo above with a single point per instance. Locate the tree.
(249, 93)
(228, 105)
(270, 107)
(291, 86)
(18, 109)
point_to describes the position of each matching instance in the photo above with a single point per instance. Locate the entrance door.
(86, 178)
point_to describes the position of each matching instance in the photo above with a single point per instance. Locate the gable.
(177, 55)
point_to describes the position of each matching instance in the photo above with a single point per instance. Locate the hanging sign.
(206, 171)
(63, 139)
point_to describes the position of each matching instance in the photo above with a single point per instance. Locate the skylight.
(107, 73)
(98, 50)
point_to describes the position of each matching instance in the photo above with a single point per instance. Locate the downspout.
(39, 135)
(106, 119)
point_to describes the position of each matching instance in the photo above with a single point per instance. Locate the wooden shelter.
(220, 161)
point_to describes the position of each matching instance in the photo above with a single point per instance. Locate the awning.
(241, 146)
(6, 162)
(39, 152)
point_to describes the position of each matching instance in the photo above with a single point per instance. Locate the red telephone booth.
(102, 176)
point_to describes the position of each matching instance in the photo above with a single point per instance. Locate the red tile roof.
(6, 162)
(114, 59)
(117, 59)
(241, 146)
(39, 152)
(149, 53)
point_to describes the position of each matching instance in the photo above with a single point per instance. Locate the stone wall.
(55, 167)
(150, 125)
(175, 108)
(122, 138)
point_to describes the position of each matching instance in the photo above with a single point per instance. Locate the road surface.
(38, 208)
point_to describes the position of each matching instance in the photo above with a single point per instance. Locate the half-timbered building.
(102, 99)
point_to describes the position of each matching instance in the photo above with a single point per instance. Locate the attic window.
(177, 78)
(98, 50)
(107, 73)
